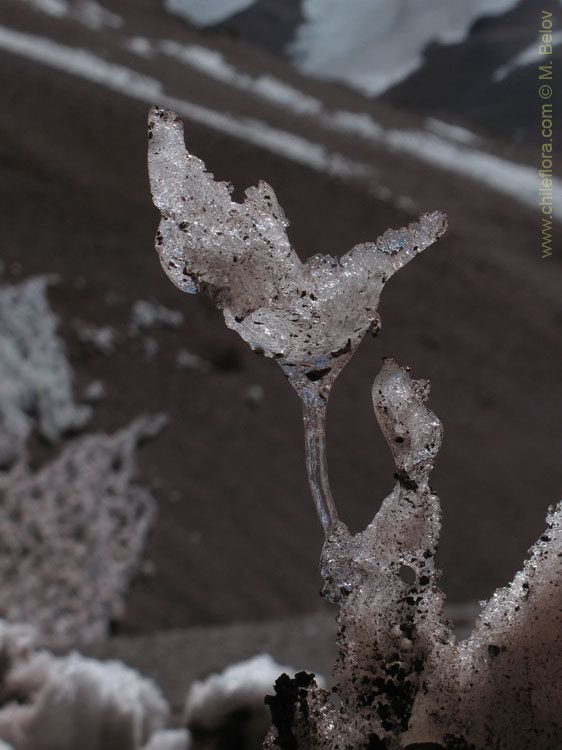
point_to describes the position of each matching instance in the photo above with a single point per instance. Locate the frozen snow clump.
(73, 534)
(35, 376)
(73, 702)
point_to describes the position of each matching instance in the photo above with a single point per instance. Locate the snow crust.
(148, 313)
(88, 12)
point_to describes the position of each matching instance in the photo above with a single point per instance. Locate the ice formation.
(72, 535)
(35, 377)
(309, 316)
(401, 679)
(71, 702)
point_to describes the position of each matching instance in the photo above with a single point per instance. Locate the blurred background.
(360, 114)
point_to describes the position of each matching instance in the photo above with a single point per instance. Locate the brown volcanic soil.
(479, 315)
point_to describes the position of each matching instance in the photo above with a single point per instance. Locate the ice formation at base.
(72, 535)
(71, 702)
(402, 679)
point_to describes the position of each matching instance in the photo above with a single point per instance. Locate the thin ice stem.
(314, 414)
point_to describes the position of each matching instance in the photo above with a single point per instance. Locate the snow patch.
(529, 56)
(214, 65)
(72, 701)
(451, 132)
(35, 376)
(188, 361)
(372, 45)
(146, 314)
(95, 391)
(101, 338)
(169, 739)
(271, 89)
(88, 12)
(141, 46)
(518, 181)
(205, 12)
(91, 67)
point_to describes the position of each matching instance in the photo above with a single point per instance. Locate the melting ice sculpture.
(309, 316)
(402, 680)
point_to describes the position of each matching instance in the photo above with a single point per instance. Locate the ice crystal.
(72, 535)
(309, 316)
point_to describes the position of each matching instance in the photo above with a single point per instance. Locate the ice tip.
(160, 115)
(439, 220)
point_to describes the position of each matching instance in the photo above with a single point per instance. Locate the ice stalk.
(315, 409)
